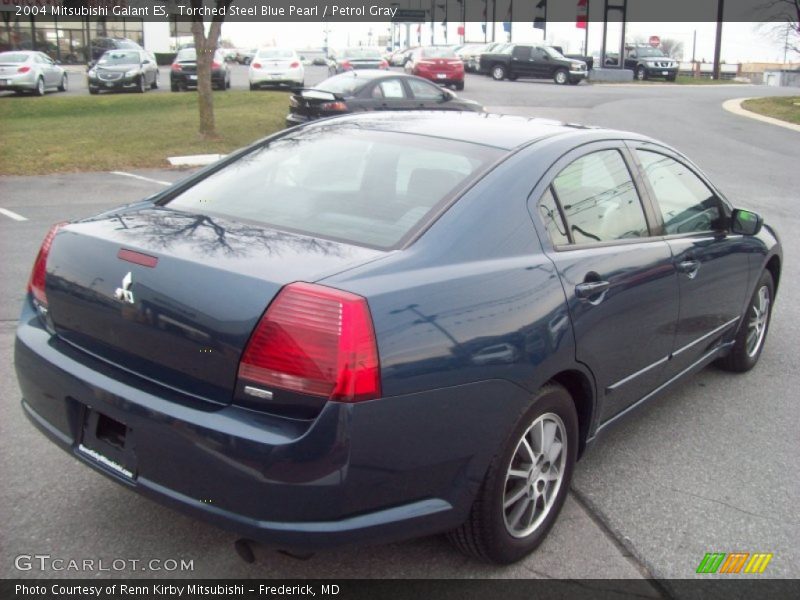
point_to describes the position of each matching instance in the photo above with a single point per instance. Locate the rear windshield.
(13, 57)
(438, 53)
(361, 53)
(345, 84)
(119, 57)
(275, 53)
(369, 188)
(187, 54)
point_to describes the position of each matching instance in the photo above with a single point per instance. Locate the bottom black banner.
(401, 589)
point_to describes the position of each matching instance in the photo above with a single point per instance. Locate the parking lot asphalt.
(709, 466)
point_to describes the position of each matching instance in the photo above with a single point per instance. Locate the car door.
(619, 279)
(541, 66)
(427, 95)
(521, 64)
(48, 67)
(386, 94)
(712, 263)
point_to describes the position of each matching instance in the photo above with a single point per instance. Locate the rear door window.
(599, 200)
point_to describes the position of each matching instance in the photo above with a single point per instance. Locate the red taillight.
(176, 67)
(39, 272)
(346, 64)
(23, 69)
(215, 65)
(256, 65)
(337, 106)
(315, 340)
(384, 64)
(294, 65)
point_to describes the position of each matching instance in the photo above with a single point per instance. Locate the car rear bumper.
(376, 471)
(23, 82)
(264, 77)
(185, 79)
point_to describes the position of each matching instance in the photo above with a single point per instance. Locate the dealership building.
(70, 39)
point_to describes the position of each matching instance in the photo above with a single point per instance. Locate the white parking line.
(12, 215)
(124, 174)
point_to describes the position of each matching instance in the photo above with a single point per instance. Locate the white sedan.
(29, 71)
(276, 66)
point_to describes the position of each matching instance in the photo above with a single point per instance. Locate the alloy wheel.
(757, 323)
(534, 475)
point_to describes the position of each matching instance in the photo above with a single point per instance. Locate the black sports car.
(368, 90)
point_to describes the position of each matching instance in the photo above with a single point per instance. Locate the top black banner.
(411, 11)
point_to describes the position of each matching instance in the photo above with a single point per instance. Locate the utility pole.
(718, 43)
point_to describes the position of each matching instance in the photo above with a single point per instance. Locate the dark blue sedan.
(384, 326)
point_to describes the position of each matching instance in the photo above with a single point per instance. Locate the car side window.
(423, 90)
(686, 203)
(521, 52)
(551, 217)
(599, 200)
(391, 88)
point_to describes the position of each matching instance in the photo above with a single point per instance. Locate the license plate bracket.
(108, 442)
(441, 75)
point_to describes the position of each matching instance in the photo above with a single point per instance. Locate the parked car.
(245, 57)
(101, 45)
(29, 71)
(538, 62)
(298, 362)
(276, 66)
(647, 62)
(372, 90)
(439, 64)
(398, 58)
(351, 59)
(183, 72)
(123, 70)
(471, 55)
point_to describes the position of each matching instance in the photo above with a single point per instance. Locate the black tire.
(174, 87)
(228, 83)
(498, 72)
(64, 85)
(671, 77)
(742, 357)
(253, 87)
(459, 86)
(641, 73)
(512, 77)
(141, 88)
(154, 85)
(574, 81)
(39, 89)
(485, 535)
(94, 91)
(561, 77)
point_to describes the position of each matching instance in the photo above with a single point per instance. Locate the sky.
(741, 42)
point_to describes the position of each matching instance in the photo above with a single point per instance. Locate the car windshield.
(275, 53)
(187, 54)
(553, 53)
(649, 52)
(371, 188)
(13, 57)
(438, 53)
(361, 53)
(119, 57)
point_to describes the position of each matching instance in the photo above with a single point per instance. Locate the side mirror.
(746, 222)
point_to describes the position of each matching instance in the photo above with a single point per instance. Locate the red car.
(439, 64)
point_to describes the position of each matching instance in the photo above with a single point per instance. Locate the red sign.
(460, 30)
(654, 41)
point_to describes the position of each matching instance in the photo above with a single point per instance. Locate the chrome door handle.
(588, 289)
(689, 267)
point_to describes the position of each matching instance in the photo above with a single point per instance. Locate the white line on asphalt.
(12, 215)
(124, 174)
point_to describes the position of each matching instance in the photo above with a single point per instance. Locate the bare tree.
(672, 48)
(783, 24)
(205, 46)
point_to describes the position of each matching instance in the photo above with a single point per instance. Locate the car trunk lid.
(174, 296)
(313, 103)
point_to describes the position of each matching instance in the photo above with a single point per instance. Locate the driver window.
(599, 200)
(687, 205)
(424, 91)
(521, 52)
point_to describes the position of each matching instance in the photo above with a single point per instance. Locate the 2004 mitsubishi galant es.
(383, 326)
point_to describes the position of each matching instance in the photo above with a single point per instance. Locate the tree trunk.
(205, 46)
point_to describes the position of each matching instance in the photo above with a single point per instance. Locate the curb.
(735, 106)
(195, 160)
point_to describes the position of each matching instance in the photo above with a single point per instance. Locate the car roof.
(505, 132)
